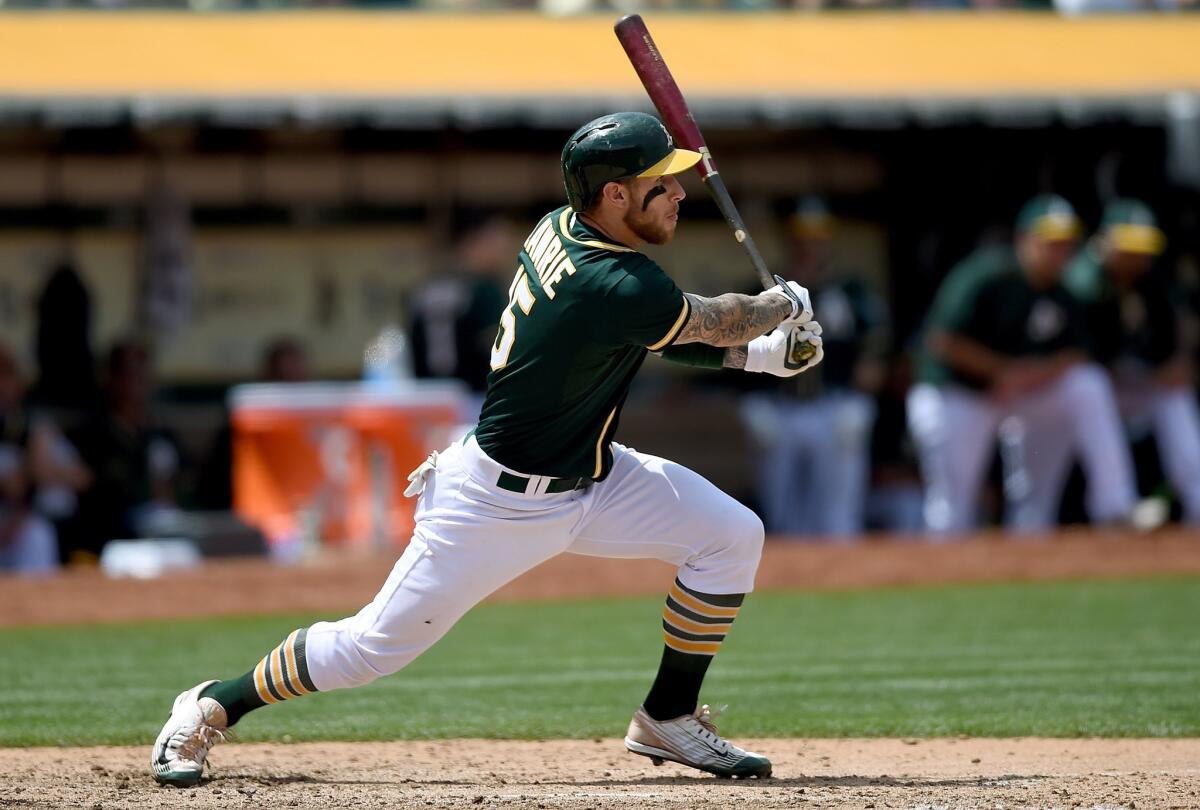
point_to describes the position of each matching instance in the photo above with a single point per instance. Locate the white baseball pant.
(954, 429)
(1172, 414)
(472, 537)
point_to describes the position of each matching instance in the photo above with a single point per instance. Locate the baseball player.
(541, 474)
(1004, 356)
(1133, 322)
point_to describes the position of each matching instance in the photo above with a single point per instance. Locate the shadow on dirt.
(234, 781)
(807, 781)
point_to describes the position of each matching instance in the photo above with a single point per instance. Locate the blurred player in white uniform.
(1134, 320)
(1004, 357)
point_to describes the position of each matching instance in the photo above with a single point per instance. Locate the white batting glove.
(797, 296)
(808, 335)
(777, 352)
(418, 477)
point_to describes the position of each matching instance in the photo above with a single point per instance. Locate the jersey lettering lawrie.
(550, 261)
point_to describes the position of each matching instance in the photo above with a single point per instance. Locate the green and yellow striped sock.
(282, 674)
(694, 625)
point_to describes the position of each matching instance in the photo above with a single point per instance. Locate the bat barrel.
(656, 77)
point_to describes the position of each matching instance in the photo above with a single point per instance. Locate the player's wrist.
(735, 357)
(799, 306)
(781, 303)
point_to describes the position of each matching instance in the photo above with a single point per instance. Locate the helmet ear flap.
(575, 192)
(584, 188)
(575, 173)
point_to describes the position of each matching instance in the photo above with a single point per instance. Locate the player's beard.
(649, 228)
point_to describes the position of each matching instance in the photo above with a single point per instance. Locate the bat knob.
(802, 352)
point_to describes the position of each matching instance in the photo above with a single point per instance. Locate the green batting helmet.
(1130, 226)
(617, 147)
(1050, 217)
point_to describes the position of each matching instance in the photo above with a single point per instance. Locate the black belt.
(519, 483)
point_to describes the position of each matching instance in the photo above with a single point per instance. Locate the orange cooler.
(328, 462)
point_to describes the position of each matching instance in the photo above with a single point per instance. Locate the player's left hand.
(785, 352)
(798, 297)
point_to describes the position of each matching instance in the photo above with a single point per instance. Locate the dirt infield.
(337, 583)
(599, 774)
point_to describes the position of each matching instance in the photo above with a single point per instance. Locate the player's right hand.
(774, 353)
(797, 296)
(804, 349)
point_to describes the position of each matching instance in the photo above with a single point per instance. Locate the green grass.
(1059, 659)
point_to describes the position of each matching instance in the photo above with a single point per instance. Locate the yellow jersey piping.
(600, 443)
(675, 328)
(565, 228)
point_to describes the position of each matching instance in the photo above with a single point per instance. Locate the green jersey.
(582, 314)
(1137, 324)
(987, 298)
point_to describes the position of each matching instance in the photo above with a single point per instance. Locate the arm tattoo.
(735, 357)
(732, 319)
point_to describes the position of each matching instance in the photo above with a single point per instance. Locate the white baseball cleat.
(196, 724)
(692, 740)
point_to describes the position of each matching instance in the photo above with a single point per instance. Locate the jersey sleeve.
(645, 308)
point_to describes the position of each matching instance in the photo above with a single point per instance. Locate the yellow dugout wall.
(524, 54)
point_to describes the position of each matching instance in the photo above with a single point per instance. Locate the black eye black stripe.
(651, 194)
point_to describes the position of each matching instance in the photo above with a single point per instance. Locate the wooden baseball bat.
(660, 85)
(669, 101)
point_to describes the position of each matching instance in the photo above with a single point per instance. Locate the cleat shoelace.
(194, 747)
(704, 717)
